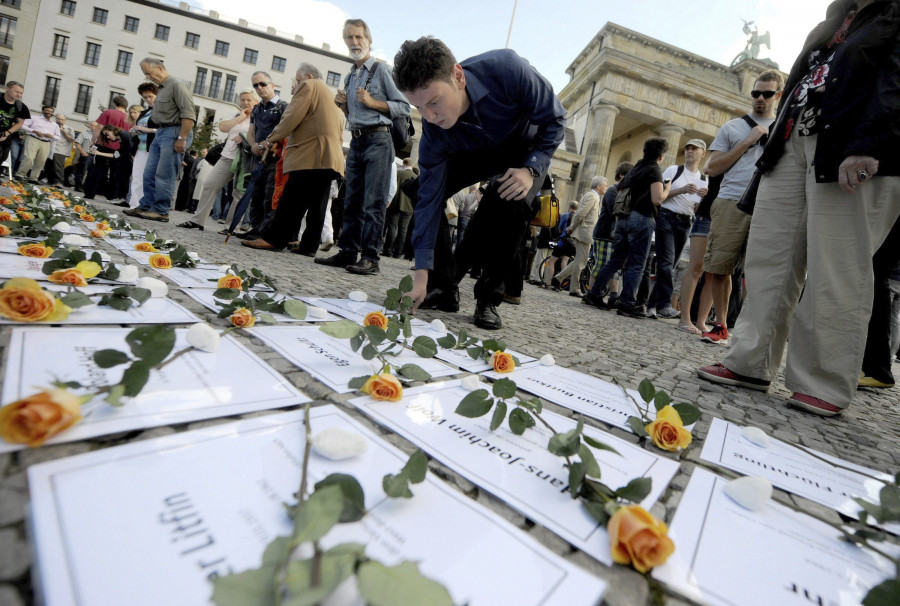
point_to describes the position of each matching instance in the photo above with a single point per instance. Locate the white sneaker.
(668, 312)
(651, 312)
(326, 246)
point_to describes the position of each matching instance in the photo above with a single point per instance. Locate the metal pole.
(511, 19)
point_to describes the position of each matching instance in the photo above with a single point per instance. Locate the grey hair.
(248, 91)
(153, 61)
(266, 74)
(15, 83)
(309, 68)
(597, 181)
(63, 116)
(358, 23)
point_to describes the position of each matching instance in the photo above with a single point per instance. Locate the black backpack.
(402, 128)
(213, 155)
(715, 183)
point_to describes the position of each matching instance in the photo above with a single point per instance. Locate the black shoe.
(248, 235)
(442, 300)
(594, 300)
(79, 188)
(190, 225)
(486, 316)
(124, 204)
(612, 303)
(338, 260)
(364, 267)
(632, 311)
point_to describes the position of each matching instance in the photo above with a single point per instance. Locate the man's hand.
(690, 188)
(703, 192)
(4, 136)
(363, 96)
(756, 133)
(419, 289)
(515, 184)
(256, 150)
(569, 230)
(180, 145)
(848, 171)
(246, 113)
(340, 98)
(237, 139)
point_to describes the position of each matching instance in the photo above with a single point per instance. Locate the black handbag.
(748, 198)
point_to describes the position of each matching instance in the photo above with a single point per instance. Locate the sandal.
(224, 232)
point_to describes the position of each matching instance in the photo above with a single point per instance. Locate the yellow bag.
(548, 215)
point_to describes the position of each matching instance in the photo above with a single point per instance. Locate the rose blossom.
(384, 387)
(242, 318)
(161, 261)
(667, 431)
(23, 300)
(230, 281)
(38, 417)
(145, 247)
(502, 362)
(639, 539)
(35, 249)
(376, 318)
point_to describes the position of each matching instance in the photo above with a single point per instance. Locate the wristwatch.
(534, 173)
(180, 138)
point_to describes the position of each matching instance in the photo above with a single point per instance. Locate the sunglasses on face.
(766, 94)
(261, 84)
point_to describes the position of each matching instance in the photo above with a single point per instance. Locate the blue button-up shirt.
(510, 100)
(382, 88)
(266, 116)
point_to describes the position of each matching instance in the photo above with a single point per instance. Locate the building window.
(162, 32)
(100, 15)
(221, 48)
(277, 93)
(4, 68)
(131, 24)
(83, 100)
(192, 40)
(92, 54)
(60, 46)
(7, 30)
(334, 79)
(215, 83)
(230, 85)
(250, 56)
(67, 8)
(279, 63)
(12, 3)
(51, 91)
(123, 63)
(112, 95)
(200, 82)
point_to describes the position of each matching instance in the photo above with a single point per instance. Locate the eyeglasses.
(766, 94)
(261, 84)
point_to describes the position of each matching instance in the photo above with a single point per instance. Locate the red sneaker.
(717, 373)
(813, 405)
(718, 334)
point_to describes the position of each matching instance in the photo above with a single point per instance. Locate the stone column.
(596, 157)
(671, 133)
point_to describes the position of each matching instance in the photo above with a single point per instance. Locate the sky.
(549, 34)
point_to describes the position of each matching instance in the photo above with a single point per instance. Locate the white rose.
(358, 296)
(319, 313)
(438, 326)
(193, 256)
(548, 360)
(472, 383)
(63, 227)
(338, 444)
(203, 337)
(128, 273)
(74, 240)
(157, 288)
(749, 492)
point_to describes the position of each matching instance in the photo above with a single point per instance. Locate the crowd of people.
(678, 242)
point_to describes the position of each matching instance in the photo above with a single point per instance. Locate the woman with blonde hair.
(237, 128)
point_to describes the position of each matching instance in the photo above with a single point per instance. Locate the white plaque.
(331, 360)
(517, 469)
(726, 555)
(357, 310)
(197, 386)
(204, 297)
(19, 266)
(147, 523)
(461, 358)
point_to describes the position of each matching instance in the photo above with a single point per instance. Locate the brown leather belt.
(361, 132)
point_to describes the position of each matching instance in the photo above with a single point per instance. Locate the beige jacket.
(585, 218)
(313, 126)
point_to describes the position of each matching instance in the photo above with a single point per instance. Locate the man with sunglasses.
(734, 153)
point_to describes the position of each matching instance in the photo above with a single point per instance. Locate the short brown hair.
(420, 62)
(147, 87)
(771, 76)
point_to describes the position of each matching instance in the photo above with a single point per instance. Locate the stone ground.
(596, 342)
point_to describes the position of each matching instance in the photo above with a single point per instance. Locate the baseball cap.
(697, 143)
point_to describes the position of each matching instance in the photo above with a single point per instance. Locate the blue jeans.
(161, 171)
(672, 231)
(630, 249)
(368, 183)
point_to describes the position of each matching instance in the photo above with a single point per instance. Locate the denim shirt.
(266, 116)
(381, 88)
(510, 100)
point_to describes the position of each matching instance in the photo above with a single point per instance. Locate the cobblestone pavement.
(596, 342)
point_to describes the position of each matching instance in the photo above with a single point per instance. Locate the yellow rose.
(229, 281)
(242, 318)
(98, 233)
(34, 419)
(4, 231)
(145, 247)
(89, 269)
(67, 204)
(160, 261)
(78, 208)
(6, 201)
(639, 539)
(86, 217)
(35, 249)
(16, 199)
(25, 215)
(667, 431)
(384, 387)
(376, 318)
(503, 362)
(23, 300)
(103, 225)
(5, 216)
(68, 276)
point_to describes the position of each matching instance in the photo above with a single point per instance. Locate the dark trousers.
(264, 188)
(5, 146)
(98, 180)
(878, 355)
(55, 168)
(396, 224)
(80, 169)
(305, 193)
(672, 230)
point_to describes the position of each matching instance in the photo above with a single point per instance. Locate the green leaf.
(358, 382)
(499, 415)
(407, 327)
(576, 477)
(368, 351)
(393, 329)
(376, 334)
(661, 400)
(493, 345)
(475, 404)
(392, 300)
(597, 511)
(335, 566)
(636, 490)
(141, 295)
(267, 318)
(356, 341)
(354, 497)
(116, 302)
(447, 341)
(532, 404)
(504, 388)
(565, 444)
(647, 391)
(413, 373)
(475, 352)
(341, 329)
(598, 444)
(397, 486)
(885, 594)
(520, 420)
(114, 397)
(463, 336)
(318, 514)
(226, 294)
(637, 426)
(135, 377)
(591, 467)
(295, 309)
(688, 412)
(425, 347)
(76, 299)
(253, 587)
(406, 284)
(381, 585)
(107, 358)
(151, 343)
(890, 502)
